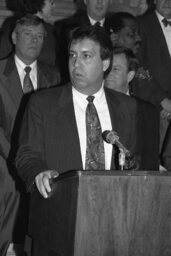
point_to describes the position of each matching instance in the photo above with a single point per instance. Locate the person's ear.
(114, 38)
(85, 1)
(106, 64)
(131, 75)
(14, 37)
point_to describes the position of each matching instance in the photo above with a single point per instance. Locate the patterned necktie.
(95, 158)
(166, 22)
(27, 83)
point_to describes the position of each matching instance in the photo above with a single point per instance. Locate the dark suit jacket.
(149, 138)
(49, 137)
(12, 104)
(155, 55)
(145, 87)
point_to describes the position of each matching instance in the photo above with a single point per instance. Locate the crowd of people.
(63, 85)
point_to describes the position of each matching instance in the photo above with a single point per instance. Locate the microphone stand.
(122, 159)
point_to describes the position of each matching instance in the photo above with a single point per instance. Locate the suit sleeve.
(148, 135)
(145, 87)
(4, 136)
(30, 159)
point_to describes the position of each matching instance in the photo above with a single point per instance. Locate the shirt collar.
(160, 17)
(127, 93)
(92, 21)
(22, 65)
(82, 97)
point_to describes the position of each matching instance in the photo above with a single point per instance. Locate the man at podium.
(63, 126)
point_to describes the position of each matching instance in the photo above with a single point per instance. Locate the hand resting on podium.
(43, 181)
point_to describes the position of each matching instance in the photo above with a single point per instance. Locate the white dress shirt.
(93, 22)
(166, 31)
(33, 73)
(80, 105)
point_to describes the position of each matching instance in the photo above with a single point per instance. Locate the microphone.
(111, 137)
(126, 159)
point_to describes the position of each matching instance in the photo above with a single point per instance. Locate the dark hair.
(130, 57)
(27, 20)
(117, 21)
(98, 35)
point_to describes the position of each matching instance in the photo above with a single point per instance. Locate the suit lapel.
(67, 120)
(13, 81)
(117, 119)
(84, 19)
(43, 77)
(15, 88)
(160, 37)
(116, 114)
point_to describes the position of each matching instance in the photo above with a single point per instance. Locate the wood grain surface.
(107, 214)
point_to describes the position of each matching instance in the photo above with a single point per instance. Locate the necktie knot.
(27, 69)
(90, 98)
(97, 24)
(27, 83)
(166, 22)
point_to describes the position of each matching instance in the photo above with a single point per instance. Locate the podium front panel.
(107, 213)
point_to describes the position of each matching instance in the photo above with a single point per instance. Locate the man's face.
(128, 36)
(48, 7)
(97, 9)
(28, 41)
(86, 66)
(164, 8)
(118, 78)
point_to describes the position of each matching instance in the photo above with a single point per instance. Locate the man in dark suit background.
(95, 11)
(28, 37)
(124, 31)
(125, 66)
(156, 55)
(53, 136)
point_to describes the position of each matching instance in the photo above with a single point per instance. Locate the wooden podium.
(105, 213)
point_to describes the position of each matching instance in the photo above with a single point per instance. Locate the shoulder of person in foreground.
(30, 156)
(48, 96)
(147, 107)
(52, 73)
(146, 18)
(127, 102)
